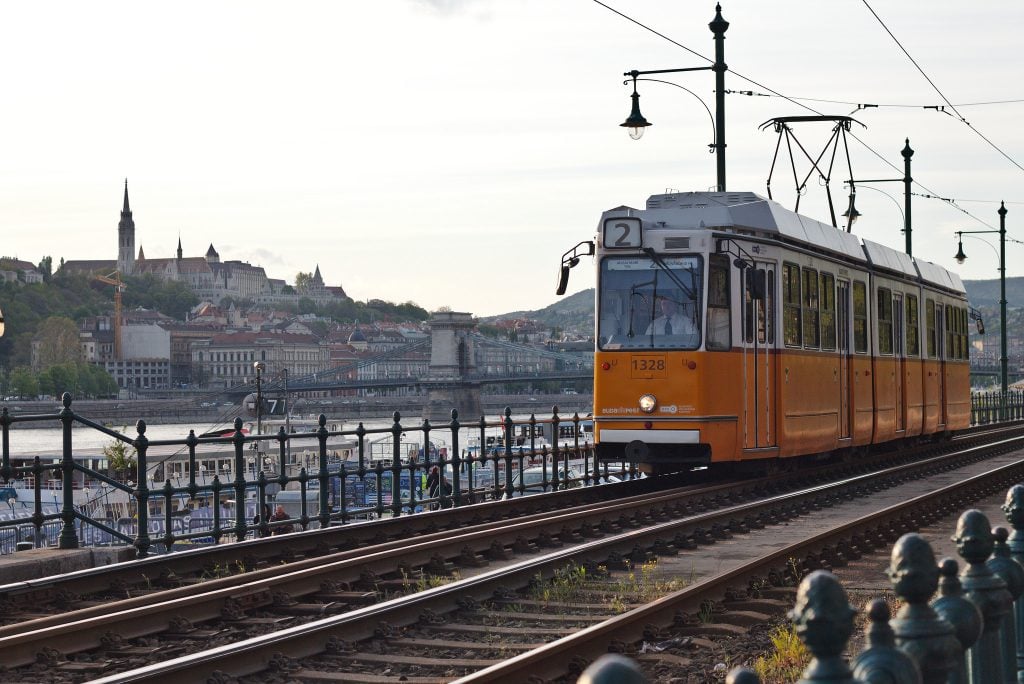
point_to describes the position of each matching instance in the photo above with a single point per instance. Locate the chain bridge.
(449, 368)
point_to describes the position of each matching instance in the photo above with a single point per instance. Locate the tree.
(303, 281)
(60, 378)
(120, 460)
(46, 268)
(23, 382)
(57, 342)
(169, 297)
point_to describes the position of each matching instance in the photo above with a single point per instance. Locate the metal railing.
(994, 407)
(331, 491)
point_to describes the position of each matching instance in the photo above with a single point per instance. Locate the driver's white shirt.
(681, 325)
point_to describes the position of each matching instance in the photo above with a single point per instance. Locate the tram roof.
(748, 211)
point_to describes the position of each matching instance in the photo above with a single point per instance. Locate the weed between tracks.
(575, 584)
(786, 661)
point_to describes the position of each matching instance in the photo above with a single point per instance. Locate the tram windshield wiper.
(634, 292)
(660, 263)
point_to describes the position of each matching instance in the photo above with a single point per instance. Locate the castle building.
(209, 277)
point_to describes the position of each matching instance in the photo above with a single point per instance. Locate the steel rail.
(252, 655)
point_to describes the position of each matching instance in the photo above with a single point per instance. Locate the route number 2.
(623, 232)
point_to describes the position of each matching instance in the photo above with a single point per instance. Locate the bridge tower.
(452, 363)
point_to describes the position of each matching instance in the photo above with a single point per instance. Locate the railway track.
(280, 608)
(27, 600)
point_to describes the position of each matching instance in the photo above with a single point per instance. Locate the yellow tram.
(732, 330)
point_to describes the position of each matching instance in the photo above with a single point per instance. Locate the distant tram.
(731, 330)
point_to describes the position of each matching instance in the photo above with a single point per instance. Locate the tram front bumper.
(653, 446)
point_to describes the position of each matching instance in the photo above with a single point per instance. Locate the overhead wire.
(937, 90)
(932, 193)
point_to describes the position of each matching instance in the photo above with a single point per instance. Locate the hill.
(986, 292)
(573, 313)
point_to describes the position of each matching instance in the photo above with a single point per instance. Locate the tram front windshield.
(649, 303)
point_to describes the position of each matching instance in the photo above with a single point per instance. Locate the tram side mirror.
(980, 325)
(570, 259)
(755, 283)
(563, 280)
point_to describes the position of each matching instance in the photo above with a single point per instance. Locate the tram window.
(913, 326)
(791, 304)
(929, 319)
(828, 312)
(860, 317)
(812, 336)
(965, 325)
(951, 341)
(884, 320)
(757, 305)
(769, 310)
(719, 323)
(961, 330)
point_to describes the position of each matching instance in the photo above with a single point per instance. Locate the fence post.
(988, 591)
(1014, 509)
(920, 632)
(1013, 574)
(612, 669)
(881, 661)
(240, 484)
(68, 537)
(824, 622)
(456, 462)
(142, 541)
(323, 476)
(959, 612)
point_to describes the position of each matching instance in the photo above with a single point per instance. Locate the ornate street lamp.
(636, 123)
(960, 258)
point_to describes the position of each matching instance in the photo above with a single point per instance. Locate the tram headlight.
(647, 403)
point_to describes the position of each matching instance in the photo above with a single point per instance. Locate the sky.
(447, 152)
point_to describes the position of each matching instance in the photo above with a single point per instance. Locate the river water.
(47, 441)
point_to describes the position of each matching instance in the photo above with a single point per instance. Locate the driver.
(672, 321)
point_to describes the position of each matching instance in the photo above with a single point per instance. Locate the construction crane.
(119, 287)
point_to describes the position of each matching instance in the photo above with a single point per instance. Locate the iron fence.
(508, 457)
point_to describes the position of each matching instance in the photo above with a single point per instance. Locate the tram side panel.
(888, 413)
(809, 398)
(913, 365)
(957, 370)
(913, 383)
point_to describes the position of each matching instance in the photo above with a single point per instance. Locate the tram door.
(843, 343)
(758, 339)
(940, 350)
(900, 361)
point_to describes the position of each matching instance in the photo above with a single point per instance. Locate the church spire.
(126, 237)
(179, 247)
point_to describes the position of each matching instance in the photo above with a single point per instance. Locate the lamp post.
(907, 180)
(287, 416)
(259, 366)
(636, 123)
(960, 258)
